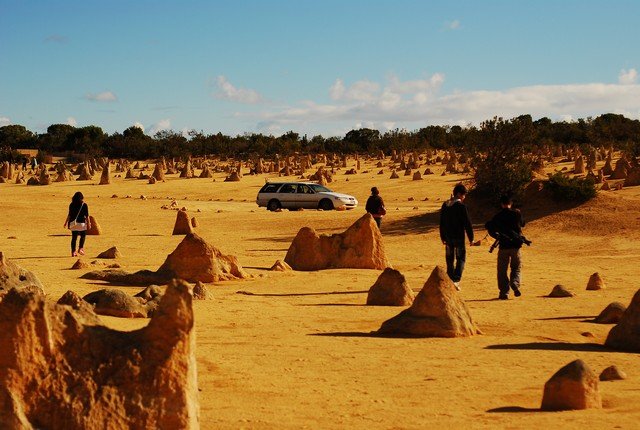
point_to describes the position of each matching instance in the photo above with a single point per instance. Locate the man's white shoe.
(457, 285)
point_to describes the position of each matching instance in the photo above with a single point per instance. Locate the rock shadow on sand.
(552, 346)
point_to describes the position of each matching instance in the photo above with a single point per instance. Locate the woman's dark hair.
(374, 191)
(77, 197)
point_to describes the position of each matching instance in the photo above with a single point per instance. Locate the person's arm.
(87, 219)
(66, 221)
(467, 224)
(442, 236)
(491, 228)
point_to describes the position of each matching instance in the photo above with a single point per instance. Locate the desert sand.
(295, 349)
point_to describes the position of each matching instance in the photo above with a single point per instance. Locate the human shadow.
(371, 334)
(41, 257)
(584, 318)
(335, 304)
(552, 346)
(513, 409)
(329, 293)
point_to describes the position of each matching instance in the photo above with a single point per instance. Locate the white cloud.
(227, 91)
(4, 121)
(72, 121)
(139, 125)
(452, 25)
(364, 90)
(628, 77)
(163, 124)
(106, 96)
(416, 103)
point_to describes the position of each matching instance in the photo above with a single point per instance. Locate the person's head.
(77, 197)
(506, 200)
(374, 191)
(459, 192)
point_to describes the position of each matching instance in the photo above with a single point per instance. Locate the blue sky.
(313, 66)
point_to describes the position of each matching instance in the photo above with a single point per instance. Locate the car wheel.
(326, 205)
(273, 205)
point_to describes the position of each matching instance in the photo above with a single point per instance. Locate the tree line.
(607, 129)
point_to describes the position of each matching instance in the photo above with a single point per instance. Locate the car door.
(287, 196)
(306, 197)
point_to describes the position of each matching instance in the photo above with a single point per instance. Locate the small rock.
(613, 373)
(560, 291)
(201, 292)
(611, 314)
(573, 387)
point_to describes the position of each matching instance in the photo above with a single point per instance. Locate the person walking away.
(454, 223)
(375, 206)
(78, 222)
(506, 227)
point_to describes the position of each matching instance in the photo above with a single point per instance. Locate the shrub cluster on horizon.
(523, 133)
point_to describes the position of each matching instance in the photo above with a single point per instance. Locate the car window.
(288, 188)
(320, 189)
(270, 188)
(304, 189)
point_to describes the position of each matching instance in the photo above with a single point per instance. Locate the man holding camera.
(506, 228)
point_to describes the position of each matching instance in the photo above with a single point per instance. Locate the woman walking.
(78, 222)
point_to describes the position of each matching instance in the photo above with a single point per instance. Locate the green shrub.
(568, 188)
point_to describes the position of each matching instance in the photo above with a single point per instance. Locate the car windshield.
(320, 188)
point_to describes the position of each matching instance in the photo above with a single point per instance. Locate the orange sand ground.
(297, 353)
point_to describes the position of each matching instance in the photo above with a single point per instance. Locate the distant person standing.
(506, 227)
(78, 222)
(34, 163)
(375, 206)
(454, 223)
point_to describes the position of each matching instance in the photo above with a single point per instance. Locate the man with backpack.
(454, 223)
(506, 228)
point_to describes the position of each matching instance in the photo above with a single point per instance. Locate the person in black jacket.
(506, 227)
(375, 206)
(78, 222)
(454, 223)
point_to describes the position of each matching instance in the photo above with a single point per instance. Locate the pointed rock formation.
(158, 173)
(359, 247)
(193, 260)
(182, 224)
(187, 170)
(390, 289)
(105, 178)
(394, 175)
(417, 176)
(196, 260)
(61, 368)
(625, 336)
(595, 282)
(611, 314)
(437, 311)
(573, 387)
(112, 252)
(95, 229)
(14, 276)
(233, 177)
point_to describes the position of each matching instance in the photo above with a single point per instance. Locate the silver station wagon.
(294, 195)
